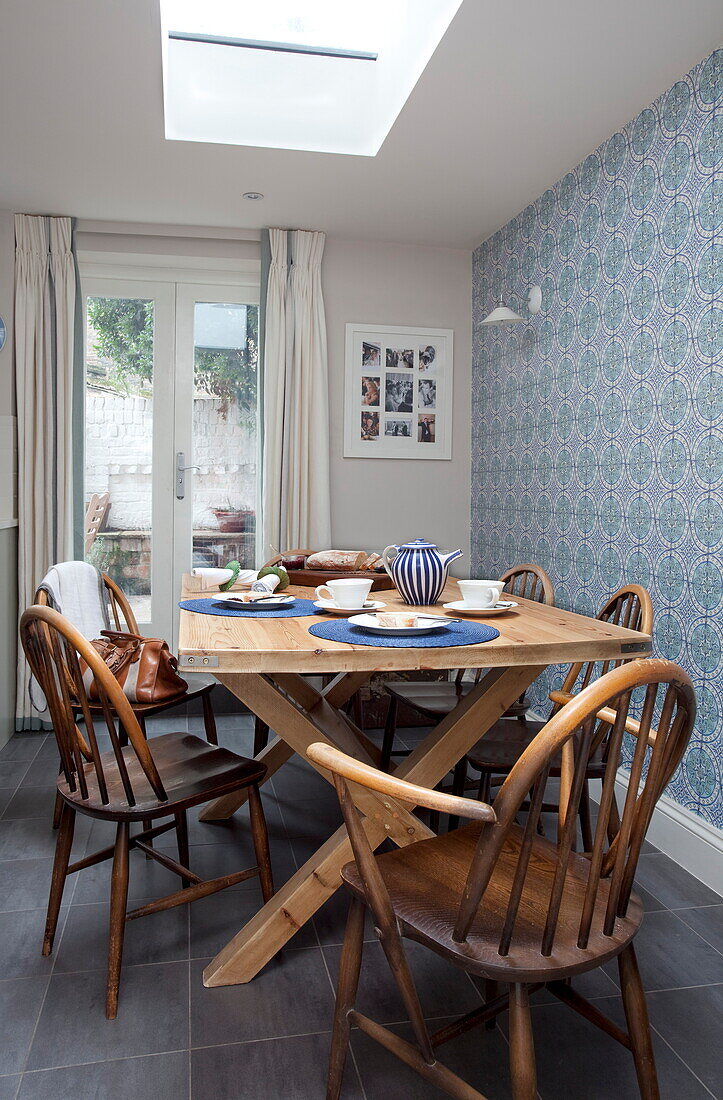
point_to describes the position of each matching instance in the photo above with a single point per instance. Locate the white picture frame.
(398, 392)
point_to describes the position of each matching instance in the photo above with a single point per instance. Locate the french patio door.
(171, 433)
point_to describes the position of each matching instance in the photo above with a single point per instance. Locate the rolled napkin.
(267, 585)
(214, 578)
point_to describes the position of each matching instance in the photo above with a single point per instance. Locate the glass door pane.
(119, 442)
(128, 380)
(224, 440)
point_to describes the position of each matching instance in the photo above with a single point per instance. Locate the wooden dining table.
(270, 665)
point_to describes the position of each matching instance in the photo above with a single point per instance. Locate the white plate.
(274, 603)
(369, 622)
(460, 607)
(370, 605)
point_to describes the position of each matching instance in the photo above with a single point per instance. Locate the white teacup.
(347, 592)
(481, 594)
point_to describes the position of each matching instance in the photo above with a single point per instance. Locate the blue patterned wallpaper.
(597, 441)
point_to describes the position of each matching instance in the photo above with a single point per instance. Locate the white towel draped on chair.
(76, 590)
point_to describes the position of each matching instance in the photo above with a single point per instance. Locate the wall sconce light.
(503, 315)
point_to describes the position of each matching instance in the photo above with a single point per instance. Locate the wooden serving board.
(312, 578)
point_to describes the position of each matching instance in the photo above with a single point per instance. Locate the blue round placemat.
(297, 610)
(455, 634)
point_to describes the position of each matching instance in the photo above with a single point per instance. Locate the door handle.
(181, 474)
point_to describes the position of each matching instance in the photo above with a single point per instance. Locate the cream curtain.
(274, 390)
(45, 307)
(297, 506)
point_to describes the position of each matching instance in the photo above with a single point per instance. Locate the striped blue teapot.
(418, 570)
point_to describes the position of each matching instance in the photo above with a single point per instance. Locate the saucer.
(460, 608)
(369, 622)
(334, 609)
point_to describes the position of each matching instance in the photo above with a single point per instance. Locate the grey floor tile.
(707, 922)
(20, 1004)
(9, 1086)
(291, 996)
(32, 802)
(690, 1020)
(330, 920)
(154, 1077)
(671, 955)
(651, 904)
(159, 938)
(6, 795)
(152, 1017)
(443, 989)
(22, 746)
(211, 860)
(310, 818)
(13, 771)
(480, 1057)
(672, 884)
(593, 985)
(297, 779)
(232, 830)
(24, 884)
(576, 1059)
(43, 770)
(21, 942)
(216, 920)
(34, 838)
(49, 750)
(147, 879)
(292, 1068)
(172, 721)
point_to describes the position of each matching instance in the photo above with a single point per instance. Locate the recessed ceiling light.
(316, 75)
(254, 196)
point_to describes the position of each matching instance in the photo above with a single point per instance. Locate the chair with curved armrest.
(498, 900)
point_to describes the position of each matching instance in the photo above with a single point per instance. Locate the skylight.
(327, 76)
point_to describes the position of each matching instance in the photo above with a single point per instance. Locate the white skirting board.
(682, 835)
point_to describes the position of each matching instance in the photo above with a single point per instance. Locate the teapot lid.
(418, 544)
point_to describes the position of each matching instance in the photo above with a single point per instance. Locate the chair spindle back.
(607, 874)
(54, 649)
(631, 607)
(530, 582)
(610, 869)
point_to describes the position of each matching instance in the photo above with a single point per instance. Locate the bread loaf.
(342, 560)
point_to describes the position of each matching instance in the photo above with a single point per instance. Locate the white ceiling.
(515, 95)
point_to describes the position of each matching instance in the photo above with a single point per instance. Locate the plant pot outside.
(234, 521)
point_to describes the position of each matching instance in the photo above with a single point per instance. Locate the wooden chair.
(140, 782)
(498, 751)
(435, 700)
(499, 901)
(95, 514)
(124, 619)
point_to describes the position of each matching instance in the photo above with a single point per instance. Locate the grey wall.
(8, 535)
(375, 502)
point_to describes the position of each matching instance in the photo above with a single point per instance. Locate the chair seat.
(503, 745)
(192, 771)
(426, 880)
(434, 697)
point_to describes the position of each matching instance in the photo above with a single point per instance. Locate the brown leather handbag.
(145, 668)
